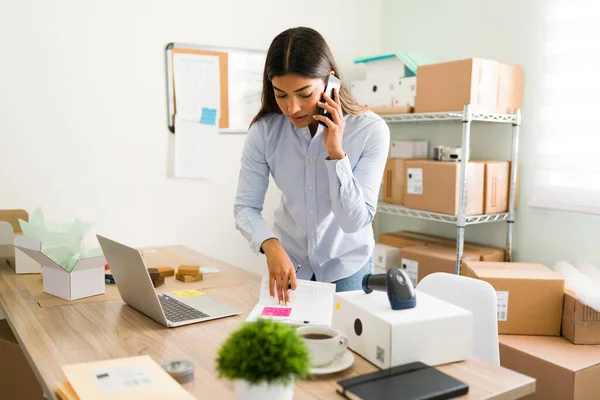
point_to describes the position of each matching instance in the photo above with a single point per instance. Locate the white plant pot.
(264, 391)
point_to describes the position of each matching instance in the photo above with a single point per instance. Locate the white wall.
(83, 126)
(509, 31)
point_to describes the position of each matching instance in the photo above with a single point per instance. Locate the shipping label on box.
(412, 269)
(414, 181)
(386, 256)
(580, 323)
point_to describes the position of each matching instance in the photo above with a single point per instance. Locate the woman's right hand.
(281, 270)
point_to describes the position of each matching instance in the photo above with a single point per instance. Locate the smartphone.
(330, 83)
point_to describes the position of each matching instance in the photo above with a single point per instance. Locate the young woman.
(329, 176)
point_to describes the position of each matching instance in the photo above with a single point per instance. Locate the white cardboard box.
(408, 101)
(85, 280)
(372, 93)
(386, 256)
(409, 149)
(406, 87)
(19, 261)
(434, 332)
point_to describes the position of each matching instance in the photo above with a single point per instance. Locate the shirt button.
(312, 234)
(345, 197)
(309, 187)
(313, 252)
(311, 159)
(312, 211)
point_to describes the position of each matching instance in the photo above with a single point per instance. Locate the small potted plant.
(264, 358)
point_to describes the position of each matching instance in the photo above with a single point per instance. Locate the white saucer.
(340, 363)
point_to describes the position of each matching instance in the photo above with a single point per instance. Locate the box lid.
(483, 269)
(32, 247)
(555, 350)
(410, 60)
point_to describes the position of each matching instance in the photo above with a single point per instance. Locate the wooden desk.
(51, 337)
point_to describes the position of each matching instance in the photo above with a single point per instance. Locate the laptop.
(136, 289)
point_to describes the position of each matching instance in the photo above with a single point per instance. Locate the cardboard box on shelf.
(394, 181)
(17, 380)
(400, 240)
(496, 186)
(496, 182)
(580, 323)
(391, 110)
(403, 101)
(408, 238)
(487, 85)
(85, 280)
(530, 296)
(373, 93)
(510, 88)
(406, 87)
(386, 256)
(435, 186)
(562, 370)
(409, 149)
(420, 261)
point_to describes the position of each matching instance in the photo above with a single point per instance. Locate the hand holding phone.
(330, 83)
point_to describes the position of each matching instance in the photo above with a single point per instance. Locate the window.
(567, 166)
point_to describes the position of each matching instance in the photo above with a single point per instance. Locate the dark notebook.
(414, 381)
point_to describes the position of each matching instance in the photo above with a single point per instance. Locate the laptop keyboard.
(176, 311)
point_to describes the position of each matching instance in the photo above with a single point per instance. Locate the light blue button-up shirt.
(327, 206)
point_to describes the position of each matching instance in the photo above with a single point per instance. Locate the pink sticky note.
(276, 312)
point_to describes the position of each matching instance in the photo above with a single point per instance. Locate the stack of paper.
(123, 378)
(310, 304)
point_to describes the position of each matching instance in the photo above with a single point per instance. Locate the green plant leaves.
(264, 351)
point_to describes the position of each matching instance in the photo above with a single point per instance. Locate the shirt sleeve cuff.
(339, 170)
(259, 237)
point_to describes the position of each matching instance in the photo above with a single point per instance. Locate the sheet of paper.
(245, 88)
(123, 378)
(196, 148)
(197, 88)
(310, 304)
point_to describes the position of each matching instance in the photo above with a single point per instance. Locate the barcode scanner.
(396, 283)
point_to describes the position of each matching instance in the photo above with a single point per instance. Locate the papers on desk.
(123, 378)
(310, 304)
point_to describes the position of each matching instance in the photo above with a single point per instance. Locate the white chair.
(474, 295)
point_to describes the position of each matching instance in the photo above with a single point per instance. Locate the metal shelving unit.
(467, 117)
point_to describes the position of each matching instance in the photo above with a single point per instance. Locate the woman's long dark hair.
(302, 51)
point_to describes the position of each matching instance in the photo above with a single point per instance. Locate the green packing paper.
(61, 242)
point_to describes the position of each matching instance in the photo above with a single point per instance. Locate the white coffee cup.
(323, 343)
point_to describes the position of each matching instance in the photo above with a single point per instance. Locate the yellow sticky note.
(337, 305)
(187, 293)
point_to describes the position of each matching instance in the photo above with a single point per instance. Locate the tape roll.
(181, 370)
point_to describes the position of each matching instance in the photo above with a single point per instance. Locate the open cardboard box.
(85, 280)
(9, 229)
